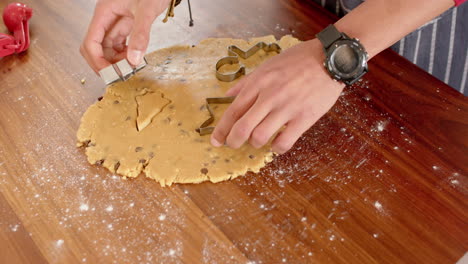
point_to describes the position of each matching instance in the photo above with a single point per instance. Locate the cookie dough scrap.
(147, 123)
(149, 104)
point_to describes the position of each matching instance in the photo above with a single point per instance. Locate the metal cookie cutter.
(234, 54)
(205, 129)
(122, 70)
(233, 58)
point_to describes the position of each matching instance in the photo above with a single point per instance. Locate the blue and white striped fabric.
(440, 47)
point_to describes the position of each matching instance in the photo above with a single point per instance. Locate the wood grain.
(382, 178)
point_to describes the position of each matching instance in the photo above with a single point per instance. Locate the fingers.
(146, 13)
(237, 88)
(93, 53)
(234, 112)
(293, 131)
(118, 33)
(114, 43)
(267, 128)
(242, 129)
(91, 49)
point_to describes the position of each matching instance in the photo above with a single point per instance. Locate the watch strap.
(328, 36)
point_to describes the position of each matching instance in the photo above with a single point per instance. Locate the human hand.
(291, 89)
(112, 23)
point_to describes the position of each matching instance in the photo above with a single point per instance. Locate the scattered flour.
(162, 217)
(381, 125)
(159, 239)
(378, 205)
(84, 207)
(14, 228)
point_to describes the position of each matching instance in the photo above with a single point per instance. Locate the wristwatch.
(346, 58)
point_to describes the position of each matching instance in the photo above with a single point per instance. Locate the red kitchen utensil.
(15, 17)
(7, 45)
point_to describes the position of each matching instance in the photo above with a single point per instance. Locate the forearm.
(380, 23)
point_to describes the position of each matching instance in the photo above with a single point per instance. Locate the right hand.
(113, 22)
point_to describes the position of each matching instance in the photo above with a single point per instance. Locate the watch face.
(346, 60)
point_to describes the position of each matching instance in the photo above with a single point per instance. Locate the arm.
(380, 23)
(293, 90)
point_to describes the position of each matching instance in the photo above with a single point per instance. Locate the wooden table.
(382, 178)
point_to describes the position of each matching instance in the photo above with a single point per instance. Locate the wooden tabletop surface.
(382, 178)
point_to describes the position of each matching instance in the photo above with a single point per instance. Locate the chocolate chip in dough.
(86, 143)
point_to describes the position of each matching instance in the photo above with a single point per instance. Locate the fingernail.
(215, 142)
(134, 57)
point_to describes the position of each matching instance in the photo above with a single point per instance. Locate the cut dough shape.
(149, 104)
(168, 149)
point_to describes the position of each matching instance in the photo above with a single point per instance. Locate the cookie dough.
(147, 123)
(149, 104)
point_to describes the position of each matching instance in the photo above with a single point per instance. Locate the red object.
(459, 2)
(15, 17)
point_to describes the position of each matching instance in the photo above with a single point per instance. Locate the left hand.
(114, 22)
(291, 89)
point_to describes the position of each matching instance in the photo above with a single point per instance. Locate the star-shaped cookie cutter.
(205, 128)
(234, 53)
(233, 58)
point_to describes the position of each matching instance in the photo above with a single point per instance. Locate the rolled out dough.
(147, 124)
